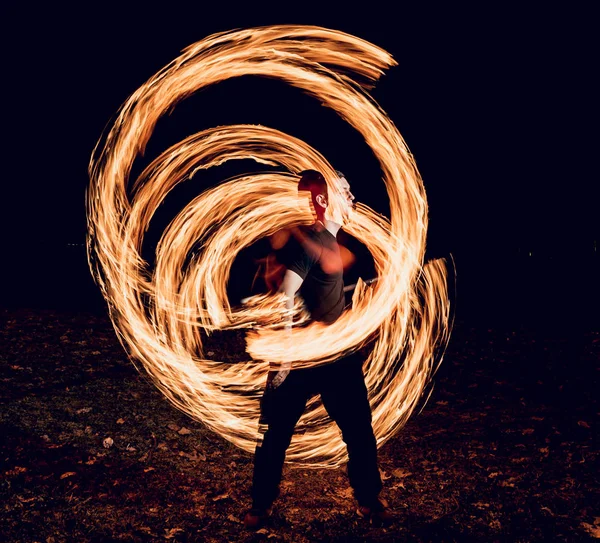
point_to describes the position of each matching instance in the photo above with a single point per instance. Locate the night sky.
(497, 105)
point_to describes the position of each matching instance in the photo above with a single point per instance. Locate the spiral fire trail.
(161, 314)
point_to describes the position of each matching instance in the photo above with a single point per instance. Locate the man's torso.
(314, 255)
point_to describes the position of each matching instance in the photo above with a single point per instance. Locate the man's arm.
(290, 286)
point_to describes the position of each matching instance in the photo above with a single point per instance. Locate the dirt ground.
(505, 449)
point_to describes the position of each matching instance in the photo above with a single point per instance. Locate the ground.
(505, 448)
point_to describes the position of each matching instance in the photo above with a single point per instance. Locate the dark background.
(497, 105)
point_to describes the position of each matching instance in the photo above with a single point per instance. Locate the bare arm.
(290, 285)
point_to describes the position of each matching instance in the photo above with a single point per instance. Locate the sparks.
(160, 314)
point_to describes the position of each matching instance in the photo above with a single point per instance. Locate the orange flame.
(161, 314)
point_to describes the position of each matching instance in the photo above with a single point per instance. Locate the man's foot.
(256, 517)
(377, 513)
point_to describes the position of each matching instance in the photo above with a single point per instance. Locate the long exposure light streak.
(162, 313)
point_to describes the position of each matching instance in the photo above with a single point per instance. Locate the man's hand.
(277, 375)
(276, 378)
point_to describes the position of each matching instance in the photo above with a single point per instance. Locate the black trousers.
(344, 396)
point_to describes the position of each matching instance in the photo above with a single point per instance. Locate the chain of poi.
(160, 315)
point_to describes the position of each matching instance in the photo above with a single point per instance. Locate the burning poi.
(160, 313)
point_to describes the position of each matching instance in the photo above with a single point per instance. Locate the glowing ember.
(160, 314)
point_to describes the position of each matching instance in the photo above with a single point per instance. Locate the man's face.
(342, 202)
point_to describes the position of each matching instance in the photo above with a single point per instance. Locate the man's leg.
(345, 398)
(280, 409)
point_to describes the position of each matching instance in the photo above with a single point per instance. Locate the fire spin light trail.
(160, 315)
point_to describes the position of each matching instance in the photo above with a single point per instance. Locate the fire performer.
(314, 268)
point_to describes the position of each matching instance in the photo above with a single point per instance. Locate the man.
(314, 268)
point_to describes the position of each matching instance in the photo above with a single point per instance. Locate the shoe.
(377, 513)
(256, 517)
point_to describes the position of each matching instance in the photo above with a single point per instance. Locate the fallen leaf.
(67, 474)
(583, 424)
(401, 473)
(384, 475)
(193, 456)
(83, 410)
(184, 431)
(120, 421)
(108, 442)
(172, 426)
(16, 470)
(594, 531)
(519, 460)
(346, 493)
(232, 518)
(170, 533)
(220, 497)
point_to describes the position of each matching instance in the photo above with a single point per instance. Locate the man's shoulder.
(307, 229)
(305, 234)
(304, 243)
(313, 239)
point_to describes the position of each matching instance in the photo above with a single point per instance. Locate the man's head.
(313, 181)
